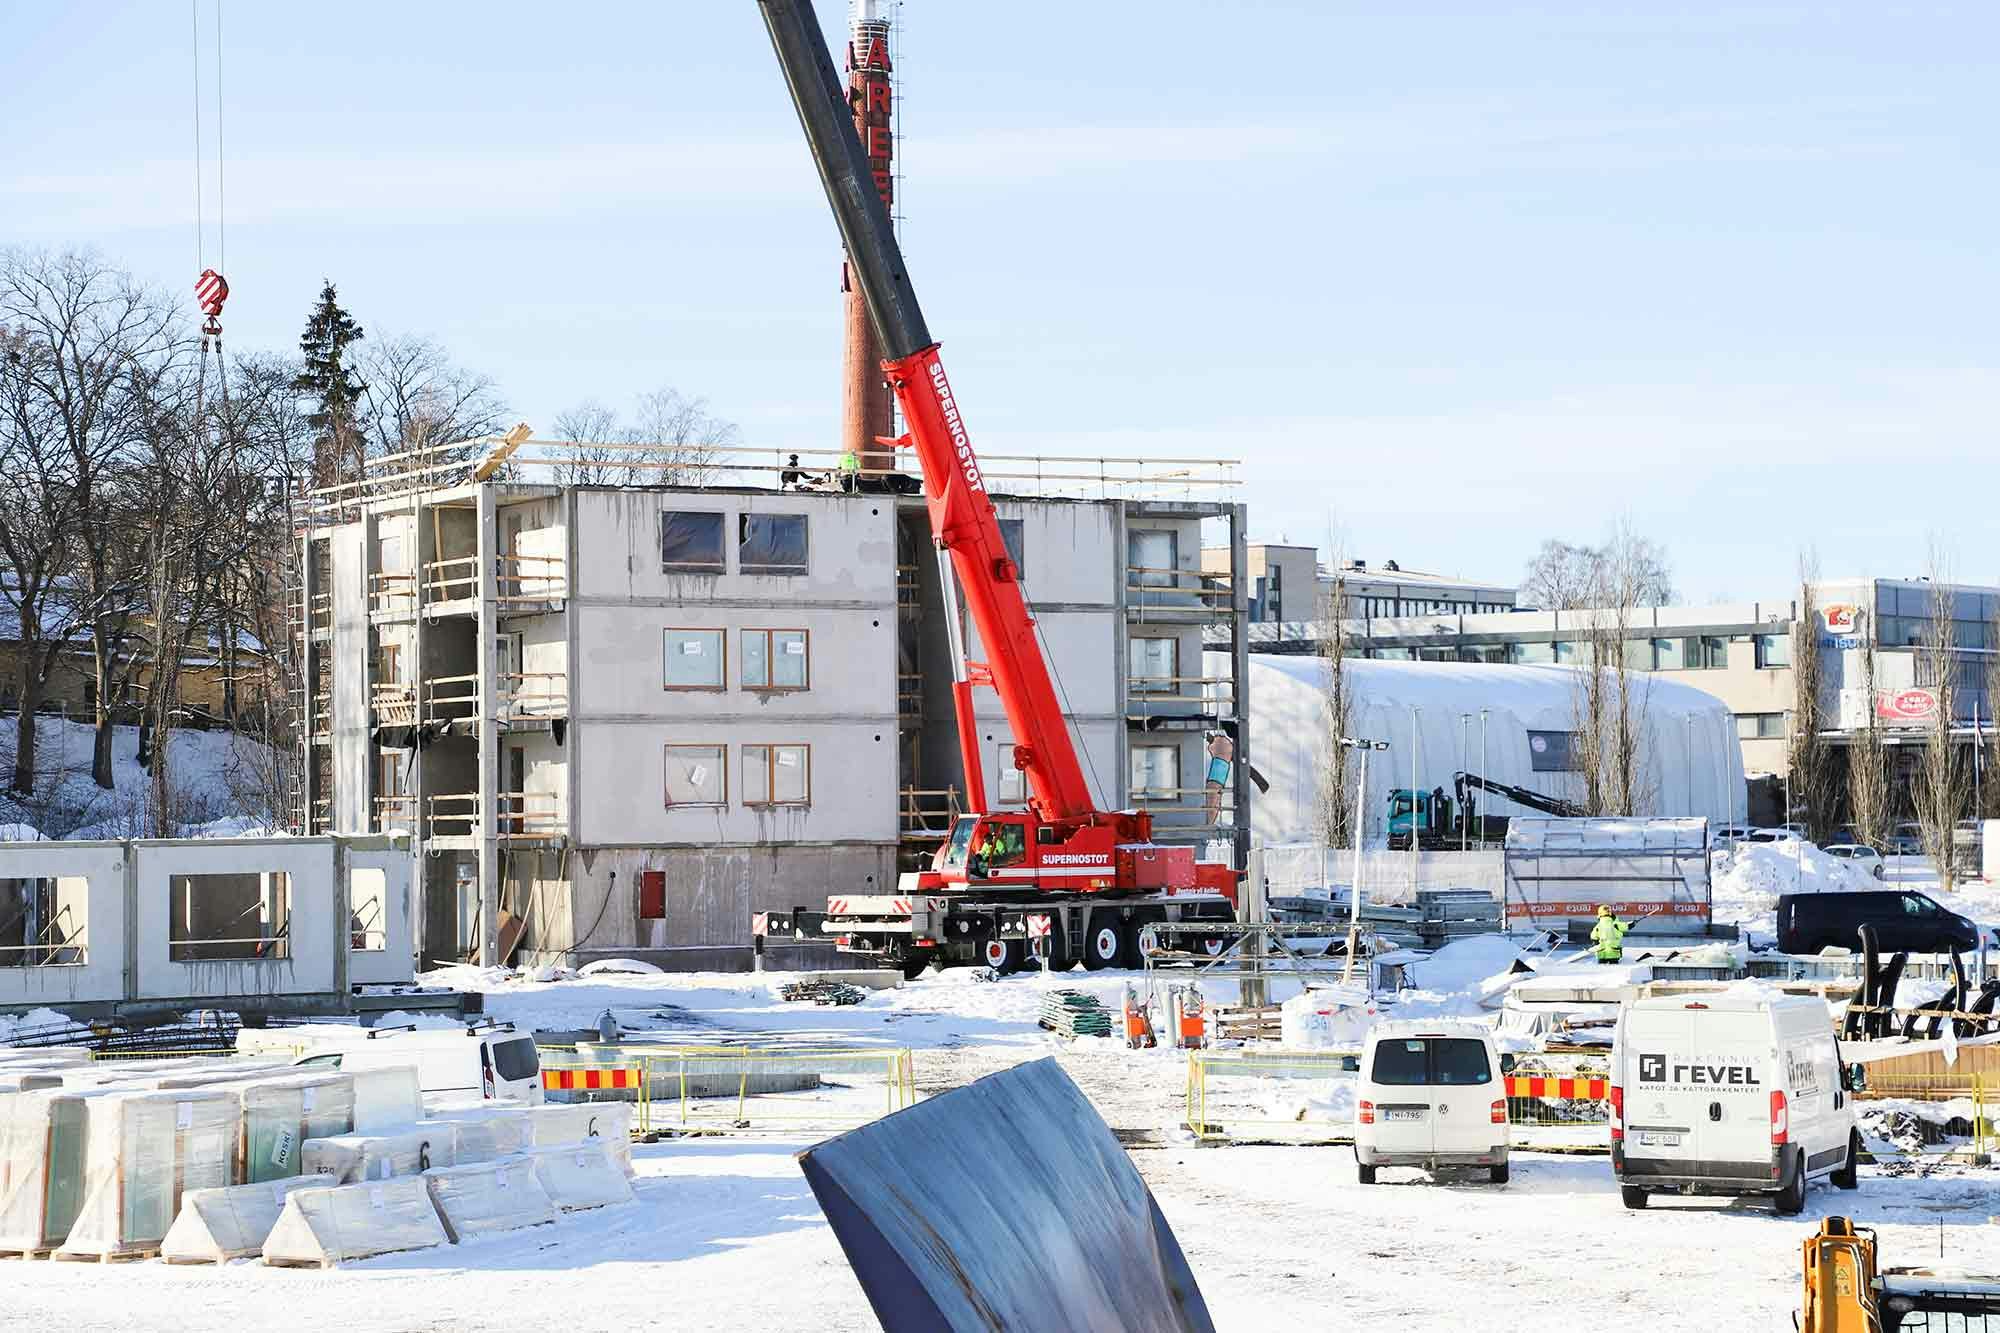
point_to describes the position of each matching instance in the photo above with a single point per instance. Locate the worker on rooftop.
(850, 469)
(1609, 935)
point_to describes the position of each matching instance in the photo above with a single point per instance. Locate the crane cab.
(993, 849)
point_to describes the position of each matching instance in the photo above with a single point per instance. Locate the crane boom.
(963, 522)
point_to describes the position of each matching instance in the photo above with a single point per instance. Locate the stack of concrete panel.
(580, 1175)
(280, 1114)
(407, 1151)
(609, 1121)
(386, 1098)
(485, 1198)
(323, 1227)
(144, 1150)
(229, 1222)
(488, 1129)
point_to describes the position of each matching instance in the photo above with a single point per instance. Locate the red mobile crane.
(1084, 878)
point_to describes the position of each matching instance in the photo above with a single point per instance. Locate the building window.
(1534, 653)
(1670, 654)
(1760, 726)
(691, 542)
(776, 659)
(1013, 782)
(44, 922)
(1638, 654)
(1152, 665)
(1153, 556)
(1566, 651)
(1014, 536)
(1707, 653)
(1552, 751)
(777, 775)
(238, 916)
(1774, 650)
(1276, 593)
(1156, 772)
(771, 544)
(694, 660)
(696, 776)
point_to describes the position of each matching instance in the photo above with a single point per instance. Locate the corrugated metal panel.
(1005, 1204)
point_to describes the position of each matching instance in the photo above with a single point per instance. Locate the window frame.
(720, 752)
(722, 652)
(1765, 644)
(1137, 792)
(771, 749)
(788, 570)
(1163, 685)
(721, 563)
(770, 656)
(1154, 576)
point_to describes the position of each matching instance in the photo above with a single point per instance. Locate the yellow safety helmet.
(1604, 909)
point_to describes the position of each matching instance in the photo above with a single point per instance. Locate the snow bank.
(1745, 881)
(1465, 964)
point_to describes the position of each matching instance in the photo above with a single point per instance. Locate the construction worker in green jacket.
(1609, 935)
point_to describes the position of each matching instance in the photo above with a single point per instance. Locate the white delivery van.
(494, 1062)
(1432, 1094)
(1730, 1094)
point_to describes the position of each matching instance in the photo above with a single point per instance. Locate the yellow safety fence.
(1253, 1096)
(1951, 1116)
(732, 1089)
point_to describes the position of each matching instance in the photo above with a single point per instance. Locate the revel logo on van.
(1695, 1073)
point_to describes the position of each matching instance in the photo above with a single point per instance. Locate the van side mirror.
(1857, 1077)
(1507, 1063)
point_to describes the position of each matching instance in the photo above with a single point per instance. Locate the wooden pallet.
(1265, 1023)
(116, 1257)
(27, 1254)
(204, 1263)
(322, 1264)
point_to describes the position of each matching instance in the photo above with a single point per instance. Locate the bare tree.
(1563, 577)
(416, 401)
(1339, 820)
(1810, 761)
(596, 460)
(98, 338)
(1614, 684)
(1867, 757)
(1939, 790)
(37, 521)
(1989, 790)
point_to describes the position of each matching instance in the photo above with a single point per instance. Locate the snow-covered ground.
(216, 776)
(726, 1235)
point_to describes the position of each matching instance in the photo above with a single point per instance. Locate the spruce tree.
(337, 442)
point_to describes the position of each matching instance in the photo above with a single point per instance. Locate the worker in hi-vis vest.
(1609, 935)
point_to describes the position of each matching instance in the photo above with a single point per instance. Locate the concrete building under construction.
(622, 720)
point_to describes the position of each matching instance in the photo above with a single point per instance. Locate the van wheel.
(1104, 942)
(1633, 1196)
(1848, 1176)
(1791, 1200)
(1365, 1173)
(1498, 1173)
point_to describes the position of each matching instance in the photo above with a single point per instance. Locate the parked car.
(1727, 1094)
(1906, 840)
(1867, 858)
(1723, 833)
(1903, 921)
(1775, 835)
(1432, 1094)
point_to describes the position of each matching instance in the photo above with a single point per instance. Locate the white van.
(1730, 1094)
(493, 1062)
(1431, 1094)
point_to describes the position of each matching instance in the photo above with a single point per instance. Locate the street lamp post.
(1360, 804)
(1464, 824)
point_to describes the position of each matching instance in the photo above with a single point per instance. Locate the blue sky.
(1449, 279)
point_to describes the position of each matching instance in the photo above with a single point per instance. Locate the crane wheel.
(1104, 942)
(1002, 955)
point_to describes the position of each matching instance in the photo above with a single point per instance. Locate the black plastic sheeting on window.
(691, 542)
(771, 543)
(1548, 751)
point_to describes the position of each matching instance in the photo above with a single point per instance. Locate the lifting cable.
(210, 288)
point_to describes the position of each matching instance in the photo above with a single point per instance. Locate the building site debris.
(1072, 1013)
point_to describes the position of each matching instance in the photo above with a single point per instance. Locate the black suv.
(1903, 921)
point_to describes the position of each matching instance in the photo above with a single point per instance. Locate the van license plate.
(1403, 1115)
(1661, 1140)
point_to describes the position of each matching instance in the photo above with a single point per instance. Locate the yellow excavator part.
(1840, 1280)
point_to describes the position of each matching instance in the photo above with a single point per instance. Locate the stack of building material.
(580, 1175)
(822, 991)
(42, 1057)
(30, 1081)
(484, 1198)
(43, 1136)
(409, 1150)
(1072, 1013)
(280, 1114)
(144, 1149)
(1450, 914)
(230, 1221)
(489, 1129)
(322, 1227)
(386, 1098)
(557, 1126)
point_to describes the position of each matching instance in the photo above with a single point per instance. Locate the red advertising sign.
(1906, 705)
(1841, 618)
